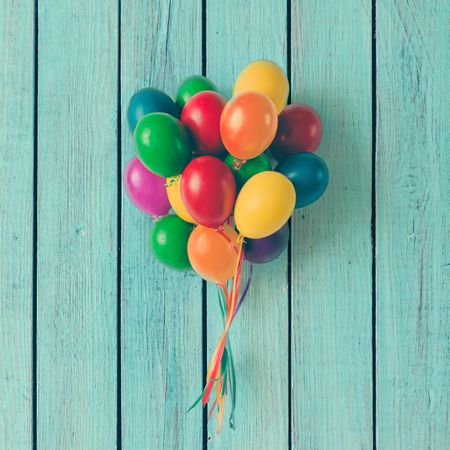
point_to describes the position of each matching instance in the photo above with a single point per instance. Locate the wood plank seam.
(289, 247)
(119, 228)
(204, 285)
(35, 225)
(373, 225)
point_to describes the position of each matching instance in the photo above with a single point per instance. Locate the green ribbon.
(231, 372)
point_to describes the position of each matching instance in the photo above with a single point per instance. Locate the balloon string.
(213, 408)
(220, 402)
(227, 238)
(226, 294)
(224, 288)
(217, 400)
(214, 365)
(229, 376)
(213, 368)
(221, 370)
(247, 287)
(238, 285)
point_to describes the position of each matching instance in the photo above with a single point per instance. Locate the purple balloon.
(267, 249)
(146, 190)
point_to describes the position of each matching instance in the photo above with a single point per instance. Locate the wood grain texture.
(16, 222)
(413, 225)
(331, 244)
(77, 225)
(238, 33)
(161, 309)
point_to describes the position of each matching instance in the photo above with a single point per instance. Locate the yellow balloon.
(174, 194)
(267, 78)
(264, 204)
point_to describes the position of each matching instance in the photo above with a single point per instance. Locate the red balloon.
(201, 116)
(208, 191)
(299, 130)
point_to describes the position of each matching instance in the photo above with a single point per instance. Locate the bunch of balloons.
(203, 170)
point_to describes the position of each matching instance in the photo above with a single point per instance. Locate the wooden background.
(344, 341)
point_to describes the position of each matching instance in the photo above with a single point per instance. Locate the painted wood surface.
(119, 339)
(259, 336)
(161, 309)
(413, 225)
(77, 225)
(331, 244)
(16, 222)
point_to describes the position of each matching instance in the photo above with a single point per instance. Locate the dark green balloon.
(162, 144)
(244, 172)
(190, 86)
(168, 241)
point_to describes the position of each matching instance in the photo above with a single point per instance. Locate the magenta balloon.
(146, 190)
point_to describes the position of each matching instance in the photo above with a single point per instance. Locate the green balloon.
(168, 241)
(243, 171)
(190, 86)
(162, 144)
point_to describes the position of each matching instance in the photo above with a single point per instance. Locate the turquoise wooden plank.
(161, 309)
(77, 225)
(16, 222)
(331, 244)
(238, 33)
(413, 228)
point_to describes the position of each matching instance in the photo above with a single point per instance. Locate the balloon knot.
(172, 181)
(238, 163)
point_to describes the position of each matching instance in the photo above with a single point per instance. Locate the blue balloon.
(150, 100)
(309, 175)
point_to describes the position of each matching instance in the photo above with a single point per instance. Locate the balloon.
(145, 189)
(309, 175)
(248, 125)
(267, 78)
(244, 170)
(162, 144)
(264, 205)
(190, 86)
(213, 253)
(299, 129)
(208, 190)
(174, 194)
(168, 241)
(201, 117)
(149, 100)
(267, 249)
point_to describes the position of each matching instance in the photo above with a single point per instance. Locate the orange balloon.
(248, 124)
(213, 253)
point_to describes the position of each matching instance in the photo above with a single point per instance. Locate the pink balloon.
(146, 190)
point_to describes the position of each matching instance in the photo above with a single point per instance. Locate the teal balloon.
(308, 173)
(149, 100)
(168, 241)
